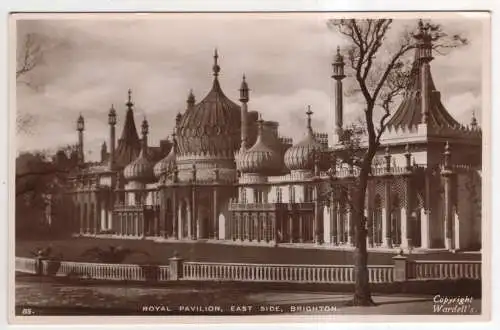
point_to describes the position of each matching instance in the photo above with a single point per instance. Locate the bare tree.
(29, 56)
(381, 70)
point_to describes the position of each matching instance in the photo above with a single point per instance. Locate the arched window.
(377, 221)
(396, 221)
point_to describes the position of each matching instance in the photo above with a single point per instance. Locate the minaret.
(112, 139)
(309, 125)
(104, 152)
(80, 127)
(424, 53)
(244, 97)
(338, 74)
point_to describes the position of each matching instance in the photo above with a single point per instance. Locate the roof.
(409, 112)
(211, 127)
(129, 144)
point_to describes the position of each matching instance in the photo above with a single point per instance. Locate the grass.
(159, 253)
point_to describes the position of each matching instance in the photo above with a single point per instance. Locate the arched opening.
(396, 221)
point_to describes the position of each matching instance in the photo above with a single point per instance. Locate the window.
(292, 194)
(258, 196)
(279, 195)
(243, 195)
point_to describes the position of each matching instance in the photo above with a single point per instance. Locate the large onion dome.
(260, 158)
(141, 169)
(301, 155)
(166, 164)
(211, 127)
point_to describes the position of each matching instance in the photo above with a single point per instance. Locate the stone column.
(318, 233)
(81, 216)
(216, 215)
(350, 233)
(369, 217)
(175, 233)
(333, 222)
(386, 220)
(301, 228)
(290, 228)
(406, 219)
(194, 214)
(97, 214)
(448, 209)
(341, 213)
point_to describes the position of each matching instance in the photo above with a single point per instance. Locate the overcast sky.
(90, 64)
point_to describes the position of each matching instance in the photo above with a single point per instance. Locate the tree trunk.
(362, 294)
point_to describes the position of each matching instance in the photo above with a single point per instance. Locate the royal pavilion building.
(226, 174)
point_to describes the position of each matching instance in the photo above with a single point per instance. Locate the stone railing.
(26, 265)
(281, 273)
(401, 270)
(421, 269)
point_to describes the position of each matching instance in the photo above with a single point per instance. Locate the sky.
(90, 64)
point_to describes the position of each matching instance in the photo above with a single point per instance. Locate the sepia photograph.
(283, 165)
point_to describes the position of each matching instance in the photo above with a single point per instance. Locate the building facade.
(226, 174)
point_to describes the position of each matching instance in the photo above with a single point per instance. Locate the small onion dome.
(141, 169)
(166, 164)
(301, 155)
(260, 158)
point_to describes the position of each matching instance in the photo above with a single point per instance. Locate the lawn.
(71, 249)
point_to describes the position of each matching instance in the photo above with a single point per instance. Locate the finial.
(473, 122)
(244, 97)
(309, 113)
(216, 67)
(129, 103)
(191, 99)
(447, 150)
(408, 157)
(80, 123)
(178, 119)
(145, 126)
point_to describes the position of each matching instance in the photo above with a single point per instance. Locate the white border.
(252, 5)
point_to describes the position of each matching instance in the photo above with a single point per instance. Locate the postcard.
(218, 167)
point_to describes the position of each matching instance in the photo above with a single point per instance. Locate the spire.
(216, 67)
(129, 144)
(309, 126)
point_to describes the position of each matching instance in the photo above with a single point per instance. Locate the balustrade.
(416, 270)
